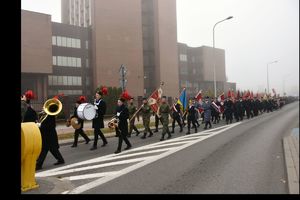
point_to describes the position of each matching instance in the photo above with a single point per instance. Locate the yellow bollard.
(31, 145)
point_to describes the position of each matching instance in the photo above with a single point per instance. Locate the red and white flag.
(154, 99)
(199, 96)
(221, 97)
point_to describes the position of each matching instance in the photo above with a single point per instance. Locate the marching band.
(211, 110)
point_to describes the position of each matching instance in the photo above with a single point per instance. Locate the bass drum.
(86, 111)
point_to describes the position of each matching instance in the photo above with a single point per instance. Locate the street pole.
(214, 59)
(268, 74)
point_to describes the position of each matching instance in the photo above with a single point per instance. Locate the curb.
(291, 157)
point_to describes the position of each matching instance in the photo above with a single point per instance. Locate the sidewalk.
(291, 155)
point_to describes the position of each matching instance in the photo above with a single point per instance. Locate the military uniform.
(146, 114)
(164, 111)
(132, 110)
(157, 120)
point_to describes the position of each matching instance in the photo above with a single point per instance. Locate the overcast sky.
(261, 31)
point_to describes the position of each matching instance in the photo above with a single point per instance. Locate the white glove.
(118, 114)
(76, 122)
(96, 107)
(38, 124)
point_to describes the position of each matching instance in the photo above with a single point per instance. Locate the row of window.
(65, 92)
(183, 57)
(67, 42)
(67, 61)
(64, 80)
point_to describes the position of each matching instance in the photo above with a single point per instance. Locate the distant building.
(196, 70)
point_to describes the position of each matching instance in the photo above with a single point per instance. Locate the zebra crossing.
(91, 173)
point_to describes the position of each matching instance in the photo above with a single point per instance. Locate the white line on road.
(88, 176)
(100, 181)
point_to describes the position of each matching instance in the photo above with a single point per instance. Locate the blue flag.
(182, 100)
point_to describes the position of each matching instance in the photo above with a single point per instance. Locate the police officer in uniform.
(122, 129)
(163, 112)
(132, 110)
(98, 123)
(146, 114)
(176, 115)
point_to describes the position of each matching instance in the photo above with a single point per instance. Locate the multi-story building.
(196, 69)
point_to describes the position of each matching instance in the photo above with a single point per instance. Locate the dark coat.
(191, 113)
(176, 114)
(30, 115)
(228, 108)
(207, 111)
(80, 121)
(98, 120)
(124, 115)
(49, 134)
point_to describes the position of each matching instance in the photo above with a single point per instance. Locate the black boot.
(169, 136)
(151, 134)
(144, 136)
(156, 130)
(196, 130)
(181, 129)
(137, 133)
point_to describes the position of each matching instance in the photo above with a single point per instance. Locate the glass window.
(78, 62)
(70, 80)
(87, 44)
(70, 61)
(74, 62)
(60, 80)
(58, 41)
(74, 80)
(54, 80)
(87, 81)
(49, 80)
(73, 43)
(53, 40)
(64, 41)
(87, 63)
(69, 42)
(64, 61)
(65, 80)
(183, 57)
(79, 81)
(78, 43)
(54, 60)
(59, 61)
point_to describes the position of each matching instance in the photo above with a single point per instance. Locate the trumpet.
(50, 107)
(113, 123)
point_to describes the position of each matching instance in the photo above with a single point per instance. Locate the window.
(73, 43)
(70, 80)
(65, 80)
(78, 43)
(183, 57)
(87, 63)
(75, 82)
(64, 41)
(54, 80)
(87, 44)
(60, 80)
(79, 81)
(64, 61)
(78, 62)
(50, 80)
(54, 60)
(74, 62)
(70, 61)
(58, 41)
(69, 42)
(59, 61)
(53, 40)
(87, 81)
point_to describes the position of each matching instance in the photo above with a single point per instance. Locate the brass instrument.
(50, 107)
(113, 123)
(73, 122)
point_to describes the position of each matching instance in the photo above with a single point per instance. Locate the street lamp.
(215, 81)
(268, 73)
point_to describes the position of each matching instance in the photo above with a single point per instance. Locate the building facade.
(196, 70)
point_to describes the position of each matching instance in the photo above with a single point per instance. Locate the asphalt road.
(245, 158)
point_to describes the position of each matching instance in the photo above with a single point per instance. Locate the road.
(244, 157)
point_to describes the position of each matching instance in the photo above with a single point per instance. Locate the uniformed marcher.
(207, 112)
(156, 123)
(98, 123)
(49, 141)
(163, 112)
(197, 105)
(28, 113)
(79, 131)
(255, 106)
(132, 109)
(146, 114)
(228, 110)
(176, 115)
(191, 117)
(122, 114)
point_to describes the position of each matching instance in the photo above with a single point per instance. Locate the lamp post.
(215, 81)
(268, 74)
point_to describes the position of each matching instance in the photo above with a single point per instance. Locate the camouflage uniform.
(132, 110)
(146, 114)
(164, 111)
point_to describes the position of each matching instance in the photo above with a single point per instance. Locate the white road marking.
(88, 176)
(105, 179)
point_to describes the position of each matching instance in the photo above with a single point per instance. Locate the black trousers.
(76, 135)
(96, 133)
(207, 123)
(177, 119)
(122, 136)
(193, 121)
(54, 151)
